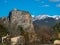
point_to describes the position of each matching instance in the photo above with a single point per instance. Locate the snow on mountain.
(57, 17)
(40, 17)
(33, 15)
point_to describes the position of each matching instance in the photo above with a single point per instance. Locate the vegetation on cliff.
(3, 30)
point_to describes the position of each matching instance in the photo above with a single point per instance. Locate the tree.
(56, 28)
(3, 31)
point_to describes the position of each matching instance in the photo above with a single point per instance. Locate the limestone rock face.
(23, 19)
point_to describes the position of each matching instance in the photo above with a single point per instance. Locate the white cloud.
(54, 0)
(46, 5)
(58, 5)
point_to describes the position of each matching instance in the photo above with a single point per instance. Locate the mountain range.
(42, 20)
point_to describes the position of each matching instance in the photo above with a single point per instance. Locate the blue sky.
(35, 7)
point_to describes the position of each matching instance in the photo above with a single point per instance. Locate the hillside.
(38, 31)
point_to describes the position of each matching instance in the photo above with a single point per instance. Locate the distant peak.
(39, 17)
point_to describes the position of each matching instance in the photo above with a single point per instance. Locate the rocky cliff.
(18, 20)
